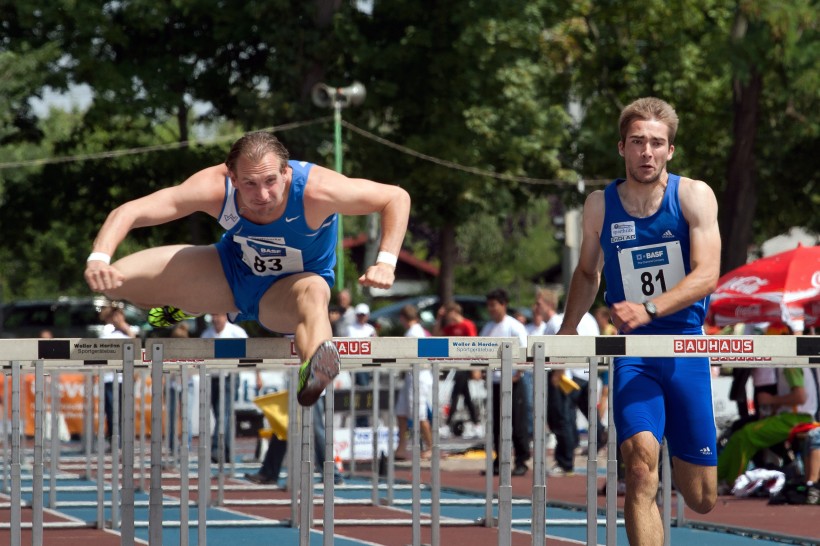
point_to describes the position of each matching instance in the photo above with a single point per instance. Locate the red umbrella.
(781, 288)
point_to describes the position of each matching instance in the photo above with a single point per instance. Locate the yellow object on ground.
(567, 385)
(275, 408)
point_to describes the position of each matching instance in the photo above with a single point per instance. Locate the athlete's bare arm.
(699, 207)
(587, 275)
(202, 192)
(329, 192)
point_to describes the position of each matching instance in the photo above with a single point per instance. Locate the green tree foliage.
(517, 87)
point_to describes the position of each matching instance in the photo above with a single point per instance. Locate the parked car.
(386, 319)
(64, 317)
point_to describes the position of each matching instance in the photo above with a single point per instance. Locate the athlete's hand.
(626, 316)
(101, 277)
(380, 275)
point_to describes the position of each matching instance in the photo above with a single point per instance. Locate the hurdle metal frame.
(540, 355)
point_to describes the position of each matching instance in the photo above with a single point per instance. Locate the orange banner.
(72, 402)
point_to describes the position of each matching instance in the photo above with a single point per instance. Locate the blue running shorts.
(669, 397)
(246, 287)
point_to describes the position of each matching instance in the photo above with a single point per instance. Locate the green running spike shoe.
(317, 373)
(166, 316)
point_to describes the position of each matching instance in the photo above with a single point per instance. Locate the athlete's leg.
(298, 304)
(697, 484)
(643, 520)
(187, 277)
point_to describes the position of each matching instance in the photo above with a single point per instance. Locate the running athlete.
(655, 235)
(274, 263)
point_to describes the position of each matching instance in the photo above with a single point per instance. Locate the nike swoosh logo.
(289, 220)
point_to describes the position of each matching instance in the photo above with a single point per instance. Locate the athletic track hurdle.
(377, 354)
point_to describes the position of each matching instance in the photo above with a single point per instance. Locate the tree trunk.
(447, 271)
(740, 197)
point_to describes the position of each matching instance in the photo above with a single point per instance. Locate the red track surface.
(743, 513)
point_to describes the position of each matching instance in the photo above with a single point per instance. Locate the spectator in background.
(46, 334)
(337, 324)
(114, 327)
(409, 318)
(812, 465)
(221, 328)
(546, 301)
(795, 403)
(360, 329)
(503, 325)
(538, 326)
(604, 320)
(450, 322)
(345, 304)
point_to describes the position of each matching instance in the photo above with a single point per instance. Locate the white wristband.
(99, 257)
(387, 258)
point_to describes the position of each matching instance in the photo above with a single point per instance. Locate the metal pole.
(330, 467)
(15, 511)
(204, 462)
(54, 450)
(37, 484)
(100, 449)
(504, 459)
(184, 485)
(337, 146)
(127, 531)
(88, 422)
(416, 456)
(592, 452)
(374, 467)
(155, 494)
(435, 466)
(352, 424)
(294, 476)
(143, 422)
(306, 496)
(611, 464)
(5, 438)
(115, 454)
(391, 426)
(488, 450)
(539, 468)
(220, 441)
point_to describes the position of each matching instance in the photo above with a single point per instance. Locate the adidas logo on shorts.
(668, 235)
(706, 451)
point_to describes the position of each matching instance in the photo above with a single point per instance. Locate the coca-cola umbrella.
(777, 289)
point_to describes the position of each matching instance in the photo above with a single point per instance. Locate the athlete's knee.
(703, 502)
(641, 477)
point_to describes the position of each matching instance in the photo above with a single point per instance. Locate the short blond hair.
(548, 296)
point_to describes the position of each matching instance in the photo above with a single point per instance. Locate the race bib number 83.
(649, 271)
(267, 258)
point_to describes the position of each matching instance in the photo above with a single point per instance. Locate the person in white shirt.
(116, 327)
(503, 325)
(409, 318)
(222, 328)
(579, 398)
(362, 328)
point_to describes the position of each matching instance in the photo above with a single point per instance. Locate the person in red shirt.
(451, 323)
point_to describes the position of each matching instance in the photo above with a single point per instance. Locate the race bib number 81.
(649, 271)
(266, 258)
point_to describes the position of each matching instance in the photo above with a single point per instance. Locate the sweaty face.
(261, 185)
(646, 150)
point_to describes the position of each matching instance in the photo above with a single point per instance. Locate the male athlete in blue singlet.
(655, 235)
(274, 263)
